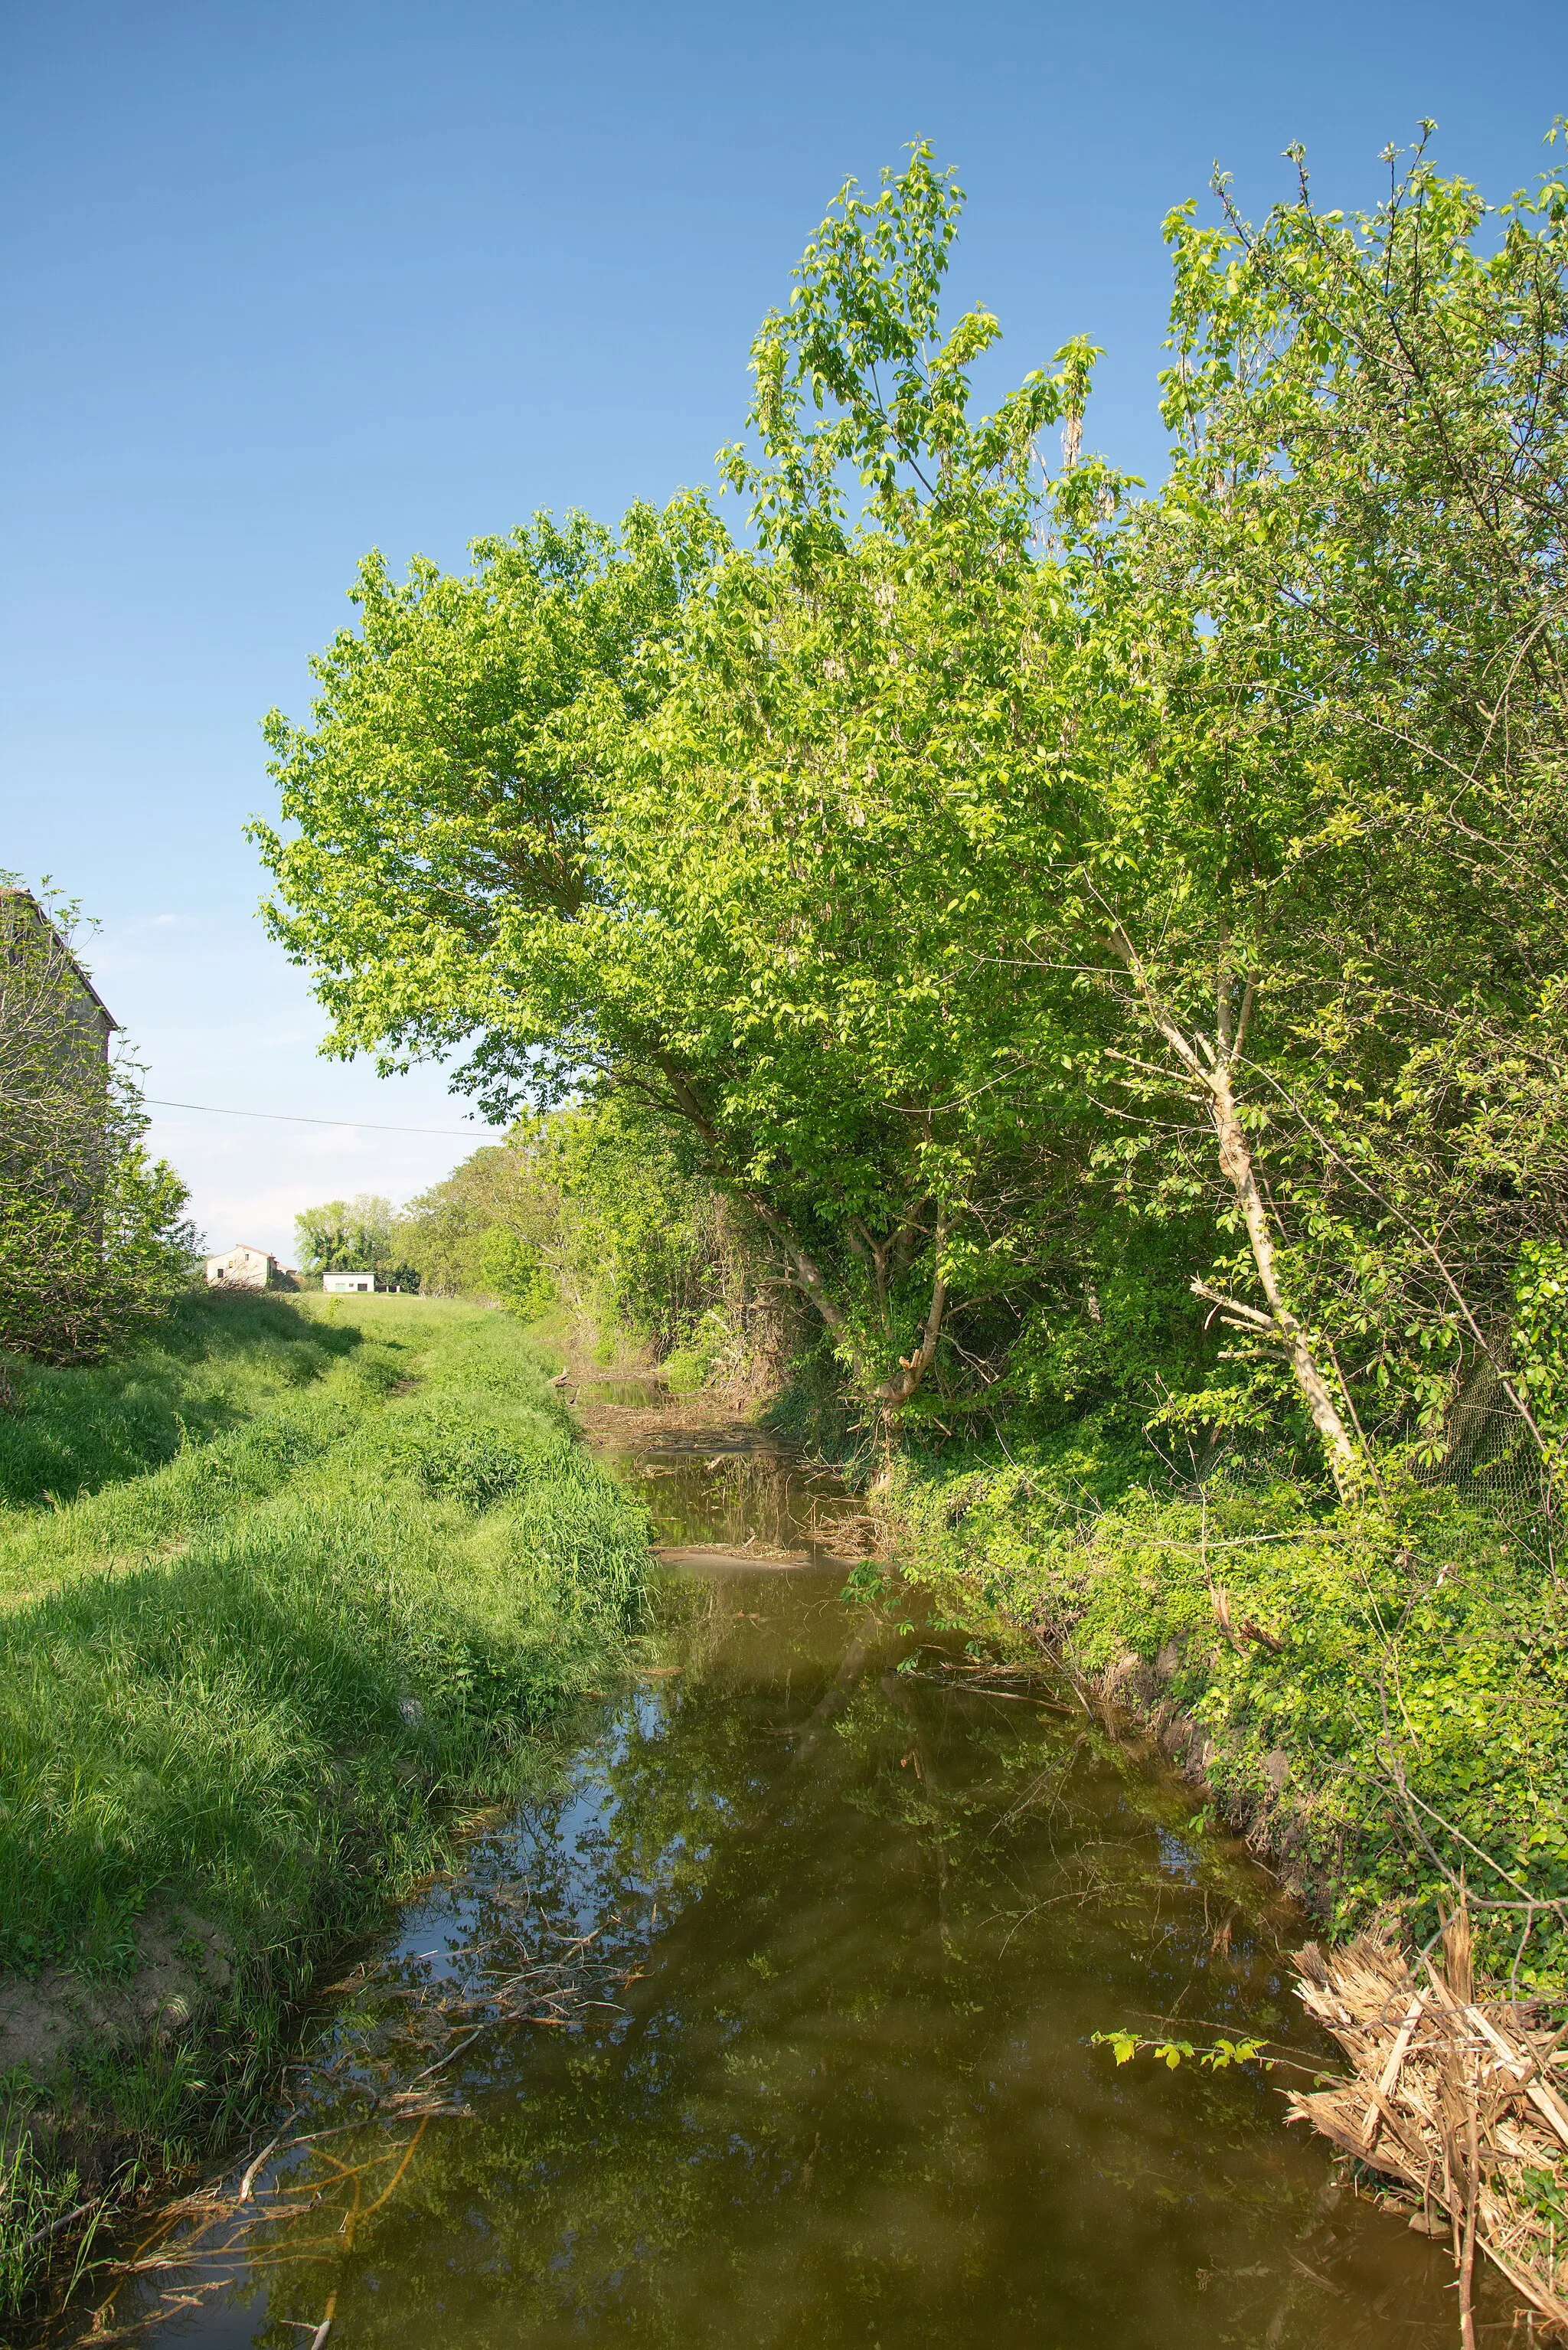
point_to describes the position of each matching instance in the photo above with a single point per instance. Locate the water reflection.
(734, 1487)
(626, 1393)
(852, 1928)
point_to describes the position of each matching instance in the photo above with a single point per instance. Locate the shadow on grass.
(212, 1365)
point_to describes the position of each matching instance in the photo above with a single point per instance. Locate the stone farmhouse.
(55, 1029)
(244, 1268)
(55, 997)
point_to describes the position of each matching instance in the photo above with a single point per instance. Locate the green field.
(281, 1594)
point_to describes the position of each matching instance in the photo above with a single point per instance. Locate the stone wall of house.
(242, 1267)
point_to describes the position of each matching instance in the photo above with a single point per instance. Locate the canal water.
(767, 2019)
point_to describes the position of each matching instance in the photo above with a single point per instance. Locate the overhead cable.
(296, 1117)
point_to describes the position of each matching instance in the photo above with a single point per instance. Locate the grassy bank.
(281, 1596)
(1379, 1697)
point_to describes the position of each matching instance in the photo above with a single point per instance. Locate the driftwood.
(1458, 2101)
(715, 1559)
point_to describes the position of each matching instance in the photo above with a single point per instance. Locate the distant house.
(244, 1267)
(340, 1281)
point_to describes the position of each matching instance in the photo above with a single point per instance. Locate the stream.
(766, 2019)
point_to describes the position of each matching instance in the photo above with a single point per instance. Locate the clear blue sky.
(282, 282)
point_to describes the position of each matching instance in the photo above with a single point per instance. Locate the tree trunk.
(912, 1368)
(1209, 1068)
(902, 1384)
(1236, 1159)
(807, 1274)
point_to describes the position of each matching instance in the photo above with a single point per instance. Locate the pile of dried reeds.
(1454, 2098)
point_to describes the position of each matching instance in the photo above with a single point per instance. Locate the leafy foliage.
(1218, 2057)
(1106, 948)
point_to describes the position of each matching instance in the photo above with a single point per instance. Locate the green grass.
(217, 1364)
(321, 1588)
(1405, 1718)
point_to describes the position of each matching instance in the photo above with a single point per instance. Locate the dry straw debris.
(1455, 2098)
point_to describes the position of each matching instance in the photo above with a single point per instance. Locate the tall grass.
(245, 1693)
(215, 1363)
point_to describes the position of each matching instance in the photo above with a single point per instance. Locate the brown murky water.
(852, 1931)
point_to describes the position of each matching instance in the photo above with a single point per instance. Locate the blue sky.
(283, 281)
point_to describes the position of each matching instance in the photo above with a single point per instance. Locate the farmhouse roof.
(25, 898)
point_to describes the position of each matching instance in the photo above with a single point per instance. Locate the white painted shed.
(341, 1281)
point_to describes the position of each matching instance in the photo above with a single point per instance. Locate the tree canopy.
(989, 875)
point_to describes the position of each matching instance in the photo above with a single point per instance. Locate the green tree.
(591, 1206)
(988, 862)
(586, 808)
(353, 1235)
(495, 1226)
(1366, 512)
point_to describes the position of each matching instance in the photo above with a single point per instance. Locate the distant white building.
(244, 1268)
(332, 1281)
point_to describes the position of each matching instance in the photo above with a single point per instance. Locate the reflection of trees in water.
(852, 2088)
(762, 1496)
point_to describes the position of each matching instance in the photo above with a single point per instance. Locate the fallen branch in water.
(560, 1984)
(53, 2226)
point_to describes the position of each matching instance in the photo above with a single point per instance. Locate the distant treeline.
(590, 1210)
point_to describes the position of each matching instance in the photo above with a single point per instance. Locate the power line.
(294, 1118)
